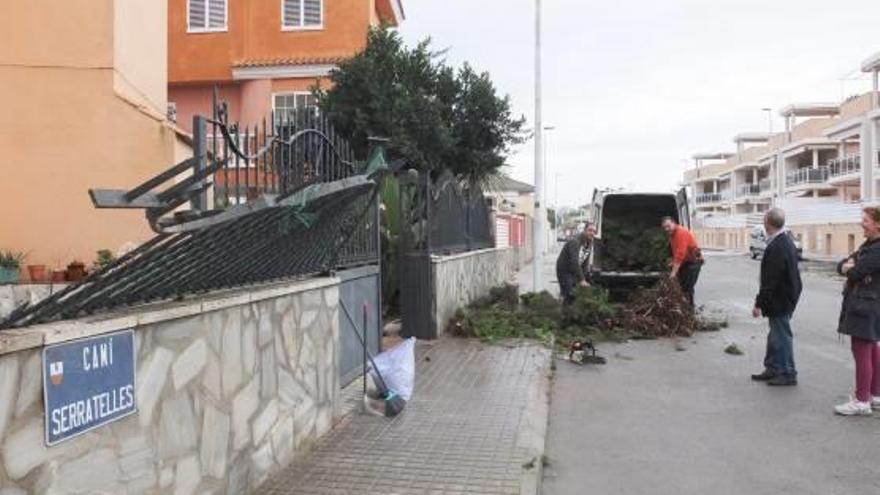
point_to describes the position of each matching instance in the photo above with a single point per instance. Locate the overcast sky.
(635, 87)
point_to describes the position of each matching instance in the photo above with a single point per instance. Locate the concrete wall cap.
(810, 110)
(19, 339)
(871, 63)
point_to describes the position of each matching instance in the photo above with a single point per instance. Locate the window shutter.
(312, 12)
(216, 14)
(292, 14)
(197, 15)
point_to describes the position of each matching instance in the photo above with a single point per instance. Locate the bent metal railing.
(313, 211)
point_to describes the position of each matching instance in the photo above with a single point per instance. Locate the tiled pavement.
(476, 424)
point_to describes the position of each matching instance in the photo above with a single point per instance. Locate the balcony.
(806, 176)
(709, 198)
(848, 165)
(766, 186)
(748, 190)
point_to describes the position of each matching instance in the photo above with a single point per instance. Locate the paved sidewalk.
(524, 278)
(476, 424)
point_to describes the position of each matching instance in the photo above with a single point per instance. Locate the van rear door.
(684, 210)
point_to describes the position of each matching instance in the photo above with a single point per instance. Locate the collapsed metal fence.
(283, 200)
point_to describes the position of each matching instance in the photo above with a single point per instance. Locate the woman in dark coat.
(860, 316)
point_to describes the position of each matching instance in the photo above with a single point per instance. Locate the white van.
(647, 208)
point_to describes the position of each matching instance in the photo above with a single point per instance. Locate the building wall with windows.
(241, 46)
(823, 169)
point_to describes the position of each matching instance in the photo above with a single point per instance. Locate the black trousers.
(688, 275)
(566, 287)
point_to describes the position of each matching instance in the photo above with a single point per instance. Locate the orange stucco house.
(262, 55)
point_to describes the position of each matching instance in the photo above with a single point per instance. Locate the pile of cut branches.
(631, 244)
(661, 311)
(658, 312)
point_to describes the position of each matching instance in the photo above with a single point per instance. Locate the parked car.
(758, 243)
(641, 210)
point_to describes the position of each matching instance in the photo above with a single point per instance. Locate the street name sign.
(87, 383)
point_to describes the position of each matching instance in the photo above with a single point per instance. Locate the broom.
(394, 403)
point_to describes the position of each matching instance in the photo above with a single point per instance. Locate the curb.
(533, 431)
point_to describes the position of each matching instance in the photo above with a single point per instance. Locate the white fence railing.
(748, 190)
(802, 176)
(850, 164)
(712, 198)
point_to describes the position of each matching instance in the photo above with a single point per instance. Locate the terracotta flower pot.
(76, 271)
(37, 273)
(59, 276)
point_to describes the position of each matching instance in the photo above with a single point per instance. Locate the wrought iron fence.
(280, 154)
(302, 206)
(444, 215)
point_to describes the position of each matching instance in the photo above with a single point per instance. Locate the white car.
(758, 243)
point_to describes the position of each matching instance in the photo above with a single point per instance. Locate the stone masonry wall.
(226, 395)
(461, 278)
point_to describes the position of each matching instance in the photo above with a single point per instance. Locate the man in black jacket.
(571, 263)
(777, 299)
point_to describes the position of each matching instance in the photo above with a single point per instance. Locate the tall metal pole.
(540, 212)
(769, 117)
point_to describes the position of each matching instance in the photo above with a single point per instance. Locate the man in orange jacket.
(686, 257)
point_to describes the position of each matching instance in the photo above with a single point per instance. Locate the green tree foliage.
(436, 116)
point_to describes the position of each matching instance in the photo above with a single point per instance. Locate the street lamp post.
(556, 216)
(546, 145)
(769, 117)
(540, 213)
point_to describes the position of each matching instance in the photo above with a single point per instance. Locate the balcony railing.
(765, 185)
(850, 164)
(807, 176)
(748, 190)
(712, 198)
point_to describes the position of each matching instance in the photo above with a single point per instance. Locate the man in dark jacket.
(571, 264)
(777, 299)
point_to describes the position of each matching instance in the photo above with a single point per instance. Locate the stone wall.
(819, 241)
(461, 278)
(229, 389)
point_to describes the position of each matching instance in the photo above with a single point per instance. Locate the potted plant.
(37, 273)
(59, 276)
(10, 263)
(105, 258)
(76, 270)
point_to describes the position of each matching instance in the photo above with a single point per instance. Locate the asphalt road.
(656, 420)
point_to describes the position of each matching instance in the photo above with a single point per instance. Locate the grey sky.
(635, 87)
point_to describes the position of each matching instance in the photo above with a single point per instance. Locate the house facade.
(822, 169)
(263, 56)
(84, 99)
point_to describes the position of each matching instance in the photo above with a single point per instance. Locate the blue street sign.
(87, 383)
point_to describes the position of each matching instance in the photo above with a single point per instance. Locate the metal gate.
(360, 287)
(439, 217)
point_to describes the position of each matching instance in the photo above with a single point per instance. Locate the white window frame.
(302, 18)
(207, 28)
(289, 93)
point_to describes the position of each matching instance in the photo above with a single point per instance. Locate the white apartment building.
(822, 169)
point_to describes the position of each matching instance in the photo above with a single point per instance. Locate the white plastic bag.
(398, 368)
